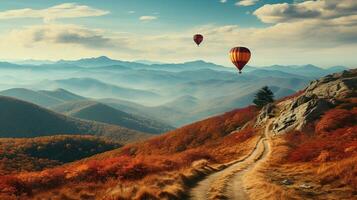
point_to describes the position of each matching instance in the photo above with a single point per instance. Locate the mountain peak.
(103, 58)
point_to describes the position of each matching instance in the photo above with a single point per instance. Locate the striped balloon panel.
(239, 56)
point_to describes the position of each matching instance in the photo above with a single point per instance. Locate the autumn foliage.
(214, 139)
(194, 135)
(35, 154)
(336, 118)
(334, 138)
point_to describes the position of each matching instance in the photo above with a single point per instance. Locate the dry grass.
(260, 185)
(345, 172)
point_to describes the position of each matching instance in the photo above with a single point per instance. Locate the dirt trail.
(227, 183)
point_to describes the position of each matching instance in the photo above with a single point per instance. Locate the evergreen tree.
(263, 97)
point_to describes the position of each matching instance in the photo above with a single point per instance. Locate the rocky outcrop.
(299, 112)
(320, 96)
(266, 113)
(334, 86)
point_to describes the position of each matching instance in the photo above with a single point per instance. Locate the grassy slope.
(213, 139)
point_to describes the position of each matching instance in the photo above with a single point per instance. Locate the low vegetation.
(35, 154)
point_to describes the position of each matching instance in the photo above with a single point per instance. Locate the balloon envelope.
(239, 57)
(198, 38)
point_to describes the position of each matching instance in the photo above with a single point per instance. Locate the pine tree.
(263, 97)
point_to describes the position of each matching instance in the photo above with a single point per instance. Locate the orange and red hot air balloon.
(239, 57)
(198, 38)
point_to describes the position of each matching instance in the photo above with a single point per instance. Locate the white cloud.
(66, 10)
(223, 1)
(321, 9)
(148, 18)
(246, 2)
(131, 12)
(60, 34)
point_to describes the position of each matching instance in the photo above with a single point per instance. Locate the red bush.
(337, 145)
(13, 185)
(334, 119)
(244, 134)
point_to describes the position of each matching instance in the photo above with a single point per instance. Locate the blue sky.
(174, 15)
(277, 32)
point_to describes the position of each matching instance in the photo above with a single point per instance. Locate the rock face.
(320, 96)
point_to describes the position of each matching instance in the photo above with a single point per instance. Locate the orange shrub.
(334, 119)
(336, 145)
(244, 135)
(13, 185)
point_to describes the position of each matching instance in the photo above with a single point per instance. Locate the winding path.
(227, 183)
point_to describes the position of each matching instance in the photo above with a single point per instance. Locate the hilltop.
(44, 98)
(91, 110)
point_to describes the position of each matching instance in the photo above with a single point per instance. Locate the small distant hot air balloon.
(239, 57)
(198, 38)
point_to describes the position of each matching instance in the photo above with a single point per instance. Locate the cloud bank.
(66, 10)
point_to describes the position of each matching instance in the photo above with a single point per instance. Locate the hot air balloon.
(239, 57)
(198, 38)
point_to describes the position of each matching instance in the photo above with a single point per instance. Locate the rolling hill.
(31, 96)
(91, 110)
(22, 119)
(94, 88)
(42, 97)
(62, 94)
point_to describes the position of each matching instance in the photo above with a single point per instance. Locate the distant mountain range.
(174, 94)
(96, 88)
